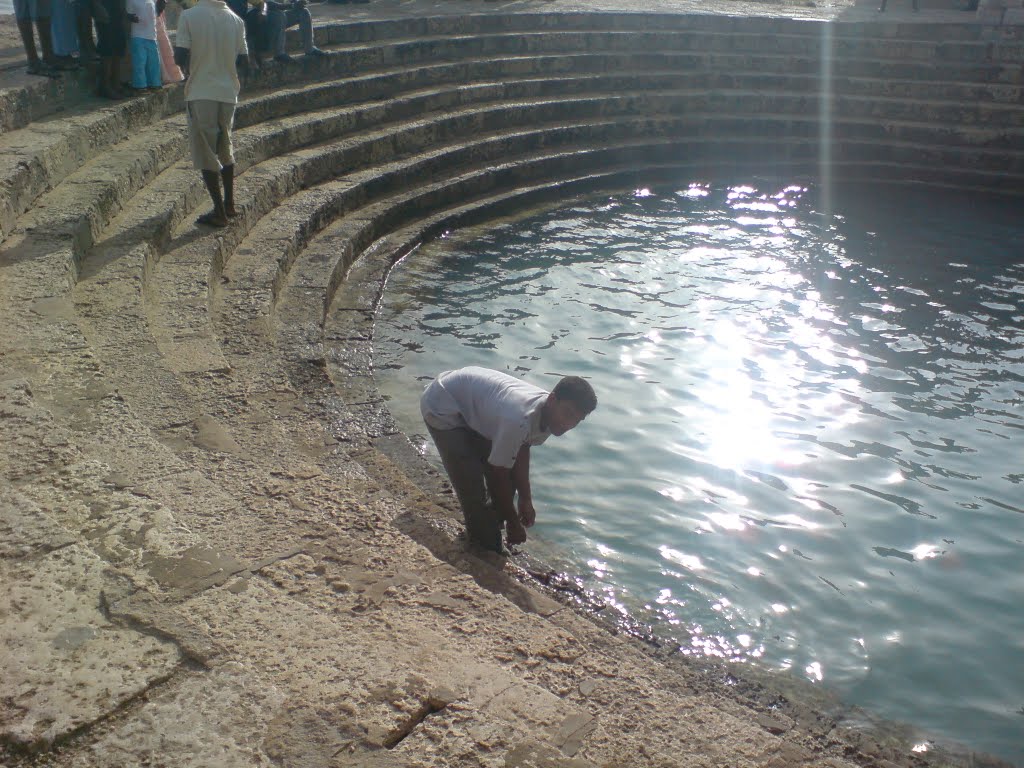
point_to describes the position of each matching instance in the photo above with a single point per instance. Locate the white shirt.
(215, 38)
(502, 408)
(145, 27)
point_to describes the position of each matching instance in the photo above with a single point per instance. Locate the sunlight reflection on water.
(805, 452)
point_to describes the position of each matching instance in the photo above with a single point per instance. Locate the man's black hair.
(577, 391)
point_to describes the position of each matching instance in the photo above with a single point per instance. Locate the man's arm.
(181, 59)
(502, 491)
(241, 50)
(182, 43)
(521, 483)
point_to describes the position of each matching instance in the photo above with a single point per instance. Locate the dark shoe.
(284, 58)
(41, 69)
(64, 64)
(314, 51)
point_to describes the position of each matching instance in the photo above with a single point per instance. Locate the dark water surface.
(809, 448)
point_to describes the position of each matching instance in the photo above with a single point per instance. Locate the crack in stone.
(189, 659)
(40, 746)
(430, 707)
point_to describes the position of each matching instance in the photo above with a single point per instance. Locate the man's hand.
(515, 533)
(527, 514)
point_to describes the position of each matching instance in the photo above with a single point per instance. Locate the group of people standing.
(130, 35)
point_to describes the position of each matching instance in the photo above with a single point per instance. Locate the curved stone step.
(197, 344)
(28, 174)
(712, 31)
(41, 156)
(757, 51)
(288, 224)
(78, 223)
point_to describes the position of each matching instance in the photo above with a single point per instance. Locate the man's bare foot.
(230, 211)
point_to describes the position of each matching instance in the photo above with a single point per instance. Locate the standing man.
(483, 423)
(209, 48)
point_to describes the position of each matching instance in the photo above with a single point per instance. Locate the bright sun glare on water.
(805, 449)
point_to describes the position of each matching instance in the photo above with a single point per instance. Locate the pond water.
(808, 452)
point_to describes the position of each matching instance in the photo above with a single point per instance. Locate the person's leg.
(304, 19)
(255, 34)
(226, 154)
(202, 131)
(63, 30)
(86, 44)
(110, 88)
(464, 456)
(137, 46)
(153, 77)
(42, 17)
(28, 39)
(227, 176)
(219, 218)
(275, 33)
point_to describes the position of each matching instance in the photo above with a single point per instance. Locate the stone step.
(104, 179)
(31, 168)
(38, 158)
(307, 212)
(331, 299)
(339, 33)
(192, 545)
(22, 104)
(701, 23)
(961, 61)
(260, 262)
(503, 115)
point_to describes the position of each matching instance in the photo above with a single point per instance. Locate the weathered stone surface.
(25, 529)
(213, 719)
(64, 665)
(540, 755)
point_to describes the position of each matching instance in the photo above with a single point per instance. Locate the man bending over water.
(483, 423)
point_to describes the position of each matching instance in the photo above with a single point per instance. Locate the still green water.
(808, 452)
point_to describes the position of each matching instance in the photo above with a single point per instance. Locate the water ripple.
(807, 449)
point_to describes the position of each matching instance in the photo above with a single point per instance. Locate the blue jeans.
(145, 63)
(280, 21)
